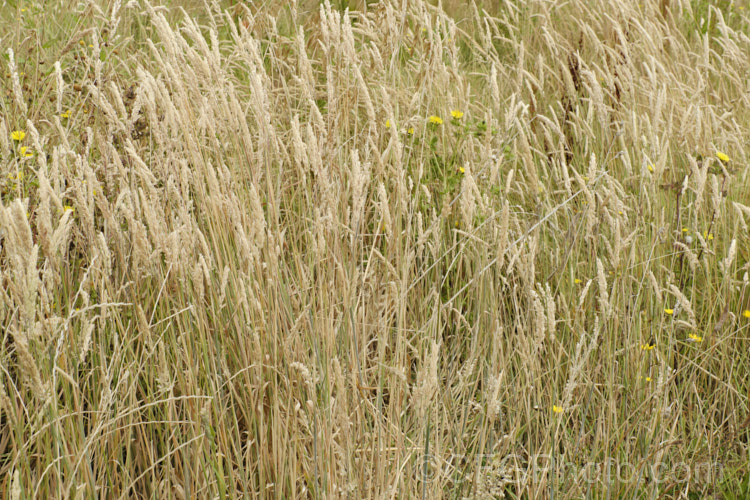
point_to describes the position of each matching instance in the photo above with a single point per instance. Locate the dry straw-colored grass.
(239, 259)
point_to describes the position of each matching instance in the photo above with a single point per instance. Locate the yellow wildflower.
(650, 167)
(457, 114)
(721, 156)
(462, 170)
(68, 208)
(746, 313)
(410, 131)
(26, 153)
(557, 409)
(65, 114)
(18, 135)
(577, 281)
(436, 120)
(669, 311)
(387, 124)
(695, 338)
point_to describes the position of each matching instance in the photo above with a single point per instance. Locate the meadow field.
(393, 250)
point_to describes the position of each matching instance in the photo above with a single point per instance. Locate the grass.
(238, 258)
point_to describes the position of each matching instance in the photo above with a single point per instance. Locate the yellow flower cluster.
(18, 136)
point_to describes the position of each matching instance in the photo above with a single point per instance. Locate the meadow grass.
(374, 250)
